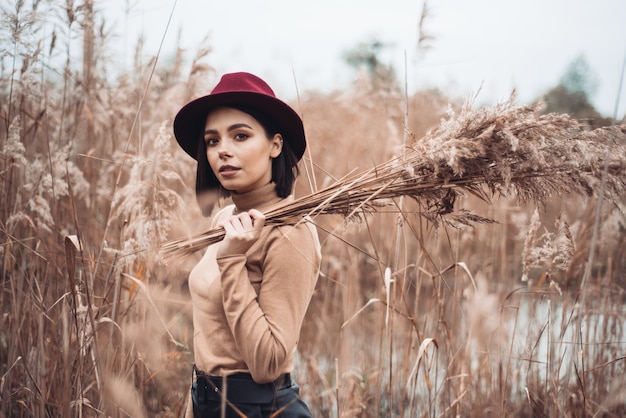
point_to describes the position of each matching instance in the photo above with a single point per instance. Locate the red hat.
(239, 89)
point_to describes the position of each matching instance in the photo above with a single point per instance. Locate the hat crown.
(242, 82)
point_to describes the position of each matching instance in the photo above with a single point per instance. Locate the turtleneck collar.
(262, 199)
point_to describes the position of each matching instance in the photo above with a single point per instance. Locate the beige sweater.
(248, 308)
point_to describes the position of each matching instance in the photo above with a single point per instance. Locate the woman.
(251, 291)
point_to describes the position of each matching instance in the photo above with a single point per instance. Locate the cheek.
(212, 160)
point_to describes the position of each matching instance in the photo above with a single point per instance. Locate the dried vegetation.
(421, 309)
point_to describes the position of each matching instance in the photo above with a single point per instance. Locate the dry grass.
(416, 313)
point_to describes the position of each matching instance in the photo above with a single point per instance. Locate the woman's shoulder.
(295, 246)
(299, 233)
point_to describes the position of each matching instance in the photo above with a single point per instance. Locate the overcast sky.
(491, 45)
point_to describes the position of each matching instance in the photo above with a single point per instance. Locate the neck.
(261, 199)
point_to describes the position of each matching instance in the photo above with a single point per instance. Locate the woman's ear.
(277, 145)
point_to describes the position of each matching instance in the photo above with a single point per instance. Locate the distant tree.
(579, 77)
(572, 94)
(575, 103)
(365, 55)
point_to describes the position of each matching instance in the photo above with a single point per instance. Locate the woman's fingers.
(242, 231)
(258, 217)
(246, 222)
(242, 222)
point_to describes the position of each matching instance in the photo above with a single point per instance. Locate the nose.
(223, 150)
(223, 153)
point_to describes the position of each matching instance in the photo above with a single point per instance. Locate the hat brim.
(190, 121)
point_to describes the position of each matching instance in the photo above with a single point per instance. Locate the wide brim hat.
(239, 90)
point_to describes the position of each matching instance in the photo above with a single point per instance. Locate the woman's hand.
(242, 231)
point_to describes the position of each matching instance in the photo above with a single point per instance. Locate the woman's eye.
(211, 141)
(241, 137)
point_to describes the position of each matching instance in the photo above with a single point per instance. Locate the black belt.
(240, 387)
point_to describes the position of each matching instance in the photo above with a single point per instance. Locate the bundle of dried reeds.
(503, 150)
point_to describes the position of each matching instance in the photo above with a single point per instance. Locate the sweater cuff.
(228, 260)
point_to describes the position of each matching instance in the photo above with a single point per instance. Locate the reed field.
(495, 287)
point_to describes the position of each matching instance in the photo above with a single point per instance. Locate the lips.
(227, 170)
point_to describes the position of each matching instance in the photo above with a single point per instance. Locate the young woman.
(251, 291)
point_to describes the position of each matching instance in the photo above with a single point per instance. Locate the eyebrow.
(230, 128)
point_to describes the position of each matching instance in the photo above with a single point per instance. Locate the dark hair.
(284, 166)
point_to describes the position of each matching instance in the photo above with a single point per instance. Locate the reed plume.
(498, 151)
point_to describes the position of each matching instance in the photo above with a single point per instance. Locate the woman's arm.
(266, 328)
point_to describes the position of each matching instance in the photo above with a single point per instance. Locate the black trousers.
(245, 398)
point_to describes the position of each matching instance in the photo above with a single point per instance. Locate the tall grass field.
(496, 287)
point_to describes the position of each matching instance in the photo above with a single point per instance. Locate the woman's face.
(238, 149)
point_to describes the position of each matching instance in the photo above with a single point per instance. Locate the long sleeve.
(266, 294)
